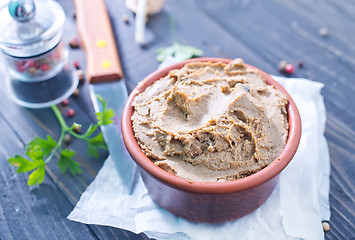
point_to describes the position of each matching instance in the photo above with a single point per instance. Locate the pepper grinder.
(36, 60)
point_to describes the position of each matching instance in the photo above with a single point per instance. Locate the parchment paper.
(294, 210)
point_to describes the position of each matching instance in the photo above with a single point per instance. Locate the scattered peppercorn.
(326, 226)
(70, 112)
(323, 32)
(80, 75)
(67, 138)
(282, 64)
(76, 92)
(300, 64)
(125, 19)
(289, 69)
(77, 129)
(76, 65)
(74, 43)
(286, 68)
(65, 102)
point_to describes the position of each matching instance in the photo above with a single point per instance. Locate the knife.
(105, 75)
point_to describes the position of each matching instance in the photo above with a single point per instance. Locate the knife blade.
(105, 75)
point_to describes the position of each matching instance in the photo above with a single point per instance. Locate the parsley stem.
(76, 135)
(173, 31)
(62, 133)
(59, 143)
(60, 118)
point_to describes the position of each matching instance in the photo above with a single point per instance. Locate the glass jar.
(38, 68)
(36, 59)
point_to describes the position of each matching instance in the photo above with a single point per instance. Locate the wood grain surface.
(261, 32)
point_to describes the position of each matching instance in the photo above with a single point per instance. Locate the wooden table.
(261, 32)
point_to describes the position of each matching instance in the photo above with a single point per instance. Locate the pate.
(211, 122)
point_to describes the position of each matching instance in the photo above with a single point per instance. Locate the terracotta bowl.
(211, 202)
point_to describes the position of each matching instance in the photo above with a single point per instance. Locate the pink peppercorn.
(289, 69)
(45, 67)
(74, 43)
(80, 75)
(21, 68)
(76, 65)
(70, 112)
(76, 92)
(30, 63)
(65, 102)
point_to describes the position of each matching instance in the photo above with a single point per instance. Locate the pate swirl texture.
(211, 121)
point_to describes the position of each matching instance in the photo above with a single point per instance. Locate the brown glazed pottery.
(211, 202)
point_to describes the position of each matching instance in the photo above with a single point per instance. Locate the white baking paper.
(294, 210)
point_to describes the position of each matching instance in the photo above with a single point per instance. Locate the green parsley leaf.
(178, 51)
(46, 145)
(98, 141)
(34, 152)
(105, 116)
(163, 53)
(95, 143)
(93, 150)
(183, 52)
(37, 176)
(66, 161)
(23, 164)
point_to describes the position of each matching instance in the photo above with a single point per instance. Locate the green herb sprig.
(42, 150)
(177, 50)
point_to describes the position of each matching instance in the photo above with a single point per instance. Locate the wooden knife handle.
(96, 33)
